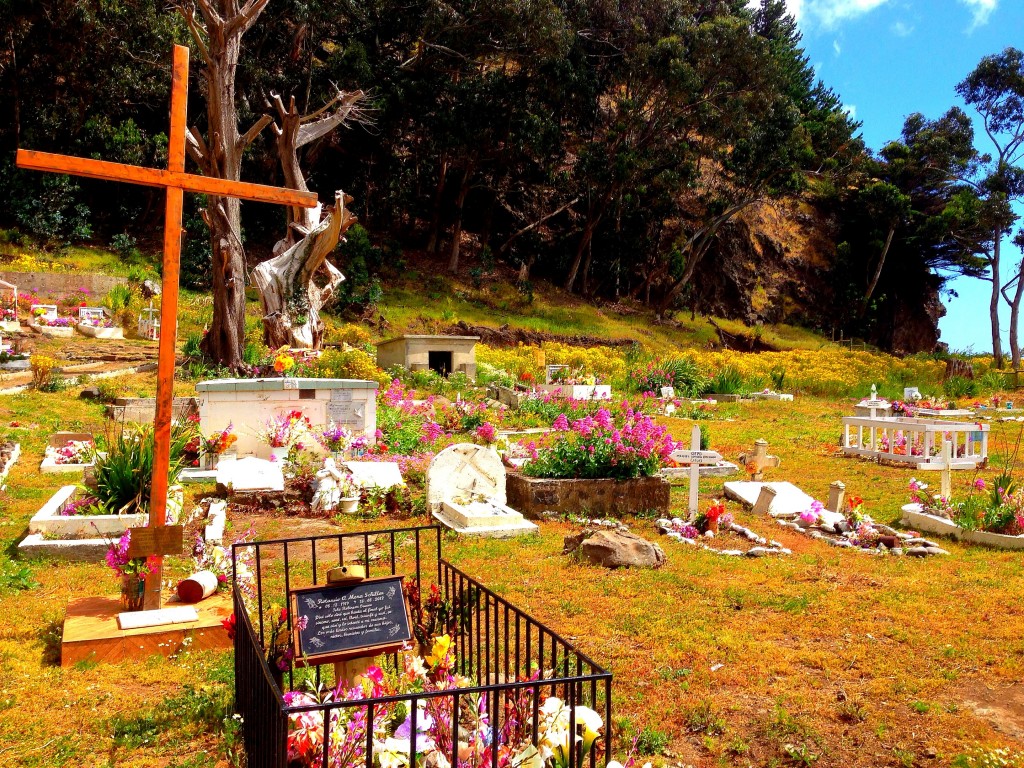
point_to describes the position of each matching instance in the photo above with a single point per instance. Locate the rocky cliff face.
(775, 263)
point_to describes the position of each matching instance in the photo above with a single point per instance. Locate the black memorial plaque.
(334, 622)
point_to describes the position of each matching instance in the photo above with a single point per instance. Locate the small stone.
(677, 521)
(785, 551)
(935, 551)
(731, 552)
(150, 288)
(90, 393)
(898, 551)
(841, 526)
(775, 544)
(757, 552)
(663, 522)
(886, 530)
(709, 534)
(674, 535)
(917, 552)
(905, 536)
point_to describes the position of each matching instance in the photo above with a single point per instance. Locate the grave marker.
(758, 460)
(694, 457)
(175, 182)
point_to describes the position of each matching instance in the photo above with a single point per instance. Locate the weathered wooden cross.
(156, 543)
(758, 460)
(694, 457)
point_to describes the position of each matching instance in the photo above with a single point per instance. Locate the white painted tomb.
(250, 474)
(915, 441)
(375, 474)
(576, 391)
(466, 492)
(248, 404)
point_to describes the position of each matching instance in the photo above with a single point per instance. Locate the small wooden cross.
(176, 182)
(946, 482)
(758, 460)
(694, 457)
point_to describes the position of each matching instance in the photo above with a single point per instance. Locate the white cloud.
(980, 11)
(829, 13)
(851, 110)
(902, 29)
(836, 48)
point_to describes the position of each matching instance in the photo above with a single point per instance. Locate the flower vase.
(278, 453)
(348, 505)
(713, 525)
(210, 460)
(133, 592)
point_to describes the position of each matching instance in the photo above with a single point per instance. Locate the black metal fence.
(512, 665)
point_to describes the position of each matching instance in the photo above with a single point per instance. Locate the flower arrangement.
(285, 430)
(85, 505)
(72, 452)
(812, 515)
(573, 377)
(217, 559)
(9, 314)
(98, 322)
(221, 440)
(487, 434)
(593, 447)
(999, 509)
(56, 322)
(334, 438)
(714, 518)
(283, 362)
(391, 737)
(118, 560)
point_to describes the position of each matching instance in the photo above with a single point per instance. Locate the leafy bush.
(959, 386)
(488, 374)
(47, 205)
(348, 364)
(118, 298)
(191, 349)
(728, 381)
(44, 371)
(593, 447)
(360, 260)
(125, 473)
(680, 373)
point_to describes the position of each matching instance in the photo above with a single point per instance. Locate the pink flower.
(979, 484)
(561, 424)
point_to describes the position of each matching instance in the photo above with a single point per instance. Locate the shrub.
(679, 373)
(44, 371)
(959, 386)
(125, 473)
(348, 364)
(728, 381)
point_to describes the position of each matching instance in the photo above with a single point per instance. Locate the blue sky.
(889, 58)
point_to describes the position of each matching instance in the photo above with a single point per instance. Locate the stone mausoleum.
(443, 354)
(249, 403)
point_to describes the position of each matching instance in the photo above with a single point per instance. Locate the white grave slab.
(177, 615)
(789, 500)
(375, 474)
(250, 474)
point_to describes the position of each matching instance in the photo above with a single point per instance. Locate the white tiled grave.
(789, 500)
(375, 474)
(59, 440)
(248, 404)
(466, 492)
(83, 537)
(770, 396)
(250, 474)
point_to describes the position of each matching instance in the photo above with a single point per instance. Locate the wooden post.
(176, 182)
(694, 470)
(947, 463)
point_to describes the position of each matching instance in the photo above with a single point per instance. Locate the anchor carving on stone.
(756, 461)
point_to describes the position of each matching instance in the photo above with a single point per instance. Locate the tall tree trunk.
(581, 249)
(219, 42)
(434, 236)
(460, 201)
(993, 305)
(1018, 295)
(878, 271)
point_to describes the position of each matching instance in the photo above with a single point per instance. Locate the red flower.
(229, 625)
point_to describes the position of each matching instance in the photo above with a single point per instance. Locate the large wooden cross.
(176, 181)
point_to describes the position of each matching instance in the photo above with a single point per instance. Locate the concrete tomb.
(441, 354)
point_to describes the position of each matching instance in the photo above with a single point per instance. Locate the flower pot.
(210, 460)
(133, 592)
(348, 505)
(713, 525)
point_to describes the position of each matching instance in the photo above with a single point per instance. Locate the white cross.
(695, 457)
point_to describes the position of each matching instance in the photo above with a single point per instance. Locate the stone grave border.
(763, 547)
(915, 518)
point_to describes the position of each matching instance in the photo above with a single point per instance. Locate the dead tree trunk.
(219, 40)
(291, 299)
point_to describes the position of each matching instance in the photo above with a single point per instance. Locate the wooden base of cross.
(695, 458)
(176, 182)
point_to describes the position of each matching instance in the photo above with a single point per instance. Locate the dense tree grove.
(607, 147)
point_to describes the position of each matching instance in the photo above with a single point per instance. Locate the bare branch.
(210, 13)
(196, 147)
(246, 17)
(196, 31)
(346, 110)
(250, 136)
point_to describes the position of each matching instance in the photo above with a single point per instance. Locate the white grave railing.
(915, 441)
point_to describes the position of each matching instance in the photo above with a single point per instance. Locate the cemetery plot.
(915, 441)
(68, 452)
